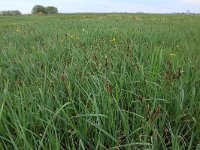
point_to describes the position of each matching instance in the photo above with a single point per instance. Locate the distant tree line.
(10, 13)
(39, 9)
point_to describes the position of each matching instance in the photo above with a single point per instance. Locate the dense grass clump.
(104, 81)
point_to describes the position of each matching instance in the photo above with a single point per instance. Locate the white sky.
(67, 6)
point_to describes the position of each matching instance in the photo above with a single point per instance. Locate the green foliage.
(10, 13)
(51, 10)
(38, 9)
(100, 81)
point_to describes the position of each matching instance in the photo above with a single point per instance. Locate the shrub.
(10, 13)
(39, 9)
(16, 12)
(51, 10)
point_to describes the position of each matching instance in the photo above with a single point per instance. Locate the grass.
(100, 81)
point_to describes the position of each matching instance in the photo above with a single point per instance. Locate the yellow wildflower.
(113, 40)
(172, 54)
(18, 29)
(72, 36)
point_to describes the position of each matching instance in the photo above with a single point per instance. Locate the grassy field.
(100, 81)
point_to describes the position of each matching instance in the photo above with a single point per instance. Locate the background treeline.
(10, 13)
(39, 9)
